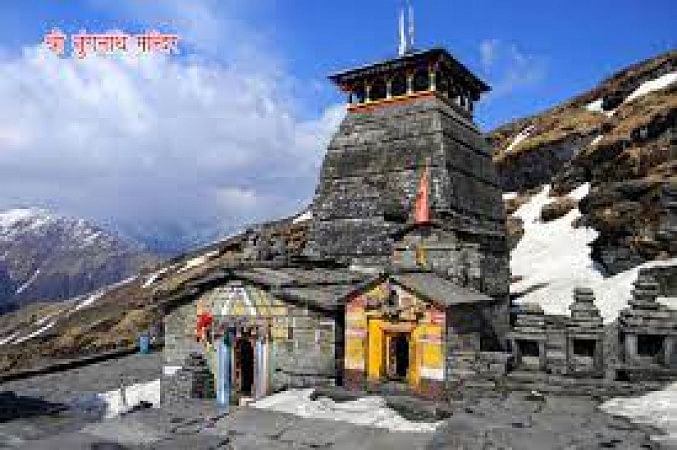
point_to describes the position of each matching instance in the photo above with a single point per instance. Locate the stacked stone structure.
(648, 330)
(585, 335)
(193, 380)
(528, 337)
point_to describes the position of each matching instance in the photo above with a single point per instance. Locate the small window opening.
(528, 348)
(649, 345)
(584, 347)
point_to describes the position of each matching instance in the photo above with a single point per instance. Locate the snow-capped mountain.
(45, 256)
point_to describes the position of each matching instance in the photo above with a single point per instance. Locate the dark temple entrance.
(400, 345)
(245, 367)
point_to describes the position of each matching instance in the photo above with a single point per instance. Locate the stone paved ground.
(478, 422)
(484, 423)
(99, 377)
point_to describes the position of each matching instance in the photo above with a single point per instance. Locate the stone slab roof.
(439, 290)
(317, 287)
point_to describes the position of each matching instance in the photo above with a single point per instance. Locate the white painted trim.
(432, 374)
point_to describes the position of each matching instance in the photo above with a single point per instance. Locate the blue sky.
(567, 46)
(182, 148)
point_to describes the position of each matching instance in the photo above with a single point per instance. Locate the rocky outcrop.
(628, 216)
(557, 208)
(619, 137)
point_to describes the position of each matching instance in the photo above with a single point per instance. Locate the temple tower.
(404, 114)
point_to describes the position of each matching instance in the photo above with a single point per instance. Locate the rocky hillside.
(619, 137)
(114, 316)
(48, 257)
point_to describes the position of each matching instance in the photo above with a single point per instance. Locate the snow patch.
(368, 411)
(30, 281)
(152, 278)
(17, 221)
(656, 408)
(44, 319)
(122, 400)
(595, 106)
(35, 333)
(509, 195)
(521, 136)
(11, 217)
(597, 139)
(89, 300)
(308, 215)
(197, 261)
(170, 370)
(9, 339)
(652, 85)
(553, 257)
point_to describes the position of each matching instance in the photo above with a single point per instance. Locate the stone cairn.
(585, 317)
(193, 380)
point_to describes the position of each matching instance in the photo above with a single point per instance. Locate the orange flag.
(421, 209)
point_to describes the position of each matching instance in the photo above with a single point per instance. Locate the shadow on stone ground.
(14, 406)
(516, 421)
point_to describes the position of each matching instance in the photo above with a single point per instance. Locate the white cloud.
(488, 49)
(155, 144)
(508, 68)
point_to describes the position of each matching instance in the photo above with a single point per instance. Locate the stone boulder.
(557, 208)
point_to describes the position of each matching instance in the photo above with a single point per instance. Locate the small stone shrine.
(585, 334)
(648, 330)
(528, 337)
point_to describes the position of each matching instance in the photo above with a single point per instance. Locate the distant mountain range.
(44, 256)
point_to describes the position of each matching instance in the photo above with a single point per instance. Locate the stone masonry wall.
(180, 335)
(307, 356)
(370, 176)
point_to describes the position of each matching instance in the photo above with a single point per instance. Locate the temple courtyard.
(82, 409)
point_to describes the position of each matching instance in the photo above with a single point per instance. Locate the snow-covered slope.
(656, 408)
(554, 257)
(618, 136)
(369, 411)
(45, 256)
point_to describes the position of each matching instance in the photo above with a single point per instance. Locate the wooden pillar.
(432, 78)
(630, 349)
(258, 369)
(668, 347)
(516, 352)
(389, 88)
(223, 372)
(542, 360)
(367, 93)
(410, 82)
(599, 354)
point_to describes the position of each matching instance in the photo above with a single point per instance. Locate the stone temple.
(397, 276)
